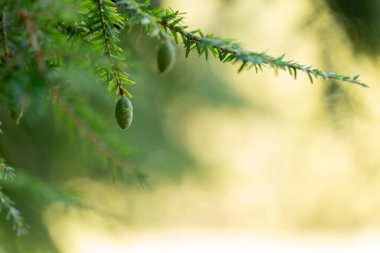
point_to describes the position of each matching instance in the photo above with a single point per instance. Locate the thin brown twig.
(5, 36)
(27, 17)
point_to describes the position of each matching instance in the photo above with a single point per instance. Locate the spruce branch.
(6, 204)
(226, 50)
(6, 171)
(103, 23)
(108, 47)
(12, 214)
(138, 13)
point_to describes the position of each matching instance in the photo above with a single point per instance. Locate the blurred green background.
(260, 160)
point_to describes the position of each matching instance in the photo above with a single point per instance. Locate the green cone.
(124, 112)
(166, 56)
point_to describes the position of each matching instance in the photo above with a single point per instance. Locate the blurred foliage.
(58, 125)
(361, 20)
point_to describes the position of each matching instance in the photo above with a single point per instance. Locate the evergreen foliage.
(166, 23)
(42, 39)
(360, 20)
(6, 204)
(103, 23)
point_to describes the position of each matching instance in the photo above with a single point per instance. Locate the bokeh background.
(235, 162)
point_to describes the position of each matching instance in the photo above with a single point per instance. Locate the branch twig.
(108, 49)
(5, 36)
(223, 49)
(27, 17)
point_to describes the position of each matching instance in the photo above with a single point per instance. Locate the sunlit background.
(288, 168)
(239, 162)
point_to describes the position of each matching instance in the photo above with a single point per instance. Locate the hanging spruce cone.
(124, 112)
(166, 56)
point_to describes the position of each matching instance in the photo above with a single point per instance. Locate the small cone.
(124, 112)
(166, 56)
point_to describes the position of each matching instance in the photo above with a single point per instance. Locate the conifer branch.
(139, 14)
(108, 48)
(6, 204)
(226, 50)
(6, 171)
(5, 35)
(12, 214)
(102, 24)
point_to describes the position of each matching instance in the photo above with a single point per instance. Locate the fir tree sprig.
(12, 213)
(6, 171)
(138, 13)
(226, 50)
(103, 24)
(6, 204)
